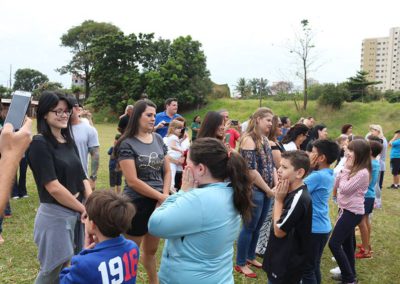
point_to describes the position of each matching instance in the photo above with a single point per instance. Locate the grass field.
(18, 263)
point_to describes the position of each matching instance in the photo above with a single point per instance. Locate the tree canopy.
(80, 39)
(126, 66)
(28, 79)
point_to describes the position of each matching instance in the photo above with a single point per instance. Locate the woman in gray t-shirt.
(142, 158)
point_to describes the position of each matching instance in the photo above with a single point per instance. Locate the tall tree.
(302, 48)
(80, 39)
(358, 85)
(28, 79)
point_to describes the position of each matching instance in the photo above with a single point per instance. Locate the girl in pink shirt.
(351, 185)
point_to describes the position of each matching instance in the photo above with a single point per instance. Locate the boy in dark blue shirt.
(108, 257)
(319, 184)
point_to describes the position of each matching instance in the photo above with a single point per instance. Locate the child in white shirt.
(175, 149)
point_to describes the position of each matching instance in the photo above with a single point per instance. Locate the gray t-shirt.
(149, 162)
(85, 137)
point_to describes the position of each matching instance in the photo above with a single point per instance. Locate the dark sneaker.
(393, 186)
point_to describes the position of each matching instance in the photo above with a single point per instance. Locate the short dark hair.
(376, 148)
(328, 148)
(397, 131)
(169, 101)
(298, 159)
(345, 128)
(284, 119)
(111, 212)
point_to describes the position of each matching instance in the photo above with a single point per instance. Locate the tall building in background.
(380, 58)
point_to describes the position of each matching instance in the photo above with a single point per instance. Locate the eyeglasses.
(60, 112)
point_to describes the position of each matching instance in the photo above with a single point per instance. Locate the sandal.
(249, 275)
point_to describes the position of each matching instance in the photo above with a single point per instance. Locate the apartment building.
(380, 57)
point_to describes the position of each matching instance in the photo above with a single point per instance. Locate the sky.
(249, 39)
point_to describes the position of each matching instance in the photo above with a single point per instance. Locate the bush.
(392, 96)
(333, 96)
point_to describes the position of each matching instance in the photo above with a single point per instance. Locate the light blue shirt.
(320, 184)
(200, 226)
(395, 152)
(376, 168)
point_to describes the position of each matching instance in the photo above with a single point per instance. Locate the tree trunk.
(87, 89)
(305, 86)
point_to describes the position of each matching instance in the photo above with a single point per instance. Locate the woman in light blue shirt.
(202, 221)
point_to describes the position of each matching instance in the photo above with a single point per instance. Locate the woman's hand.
(188, 181)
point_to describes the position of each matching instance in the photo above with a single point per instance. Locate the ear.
(321, 158)
(300, 173)
(202, 169)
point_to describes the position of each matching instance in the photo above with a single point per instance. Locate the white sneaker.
(333, 259)
(335, 270)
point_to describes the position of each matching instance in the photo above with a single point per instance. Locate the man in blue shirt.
(164, 118)
(320, 184)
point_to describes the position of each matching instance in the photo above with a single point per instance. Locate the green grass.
(18, 262)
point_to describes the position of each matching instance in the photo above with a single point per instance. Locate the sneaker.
(15, 197)
(335, 271)
(333, 259)
(25, 196)
(393, 186)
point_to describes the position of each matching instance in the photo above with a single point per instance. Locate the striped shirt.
(351, 190)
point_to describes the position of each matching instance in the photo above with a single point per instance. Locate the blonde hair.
(377, 127)
(174, 124)
(252, 129)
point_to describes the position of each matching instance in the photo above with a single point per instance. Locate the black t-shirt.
(60, 163)
(123, 123)
(285, 257)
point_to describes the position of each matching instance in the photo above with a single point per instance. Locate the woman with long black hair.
(62, 185)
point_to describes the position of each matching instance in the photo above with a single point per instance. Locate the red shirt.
(233, 137)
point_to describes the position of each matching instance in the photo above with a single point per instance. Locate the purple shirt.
(351, 190)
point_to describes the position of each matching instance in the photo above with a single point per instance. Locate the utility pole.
(10, 76)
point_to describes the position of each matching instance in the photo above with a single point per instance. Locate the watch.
(93, 177)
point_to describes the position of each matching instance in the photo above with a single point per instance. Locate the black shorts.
(369, 205)
(115, 178)
(395, 165)
(144, 208)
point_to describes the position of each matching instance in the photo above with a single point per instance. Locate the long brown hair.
(224, 164)
(275, 125)
(362, 156)
(252, 129)
(133, 125)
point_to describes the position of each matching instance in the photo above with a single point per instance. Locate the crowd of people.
(264, 184)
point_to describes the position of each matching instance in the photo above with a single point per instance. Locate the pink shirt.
(351, 190)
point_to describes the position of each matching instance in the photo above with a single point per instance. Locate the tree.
(282, 87)
(358, 85)
(28, 79)
(242, 87)
(333, 95)
(302, 49)
(80, 39)
(4, 91)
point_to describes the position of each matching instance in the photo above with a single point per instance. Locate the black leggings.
(342, 243)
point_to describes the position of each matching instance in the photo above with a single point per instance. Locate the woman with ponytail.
(202, 220)
(255, 149)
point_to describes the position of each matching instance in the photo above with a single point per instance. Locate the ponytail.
(225, 164)
(238, 174)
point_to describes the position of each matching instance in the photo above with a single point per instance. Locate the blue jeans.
(312, 272)
(248, 237)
